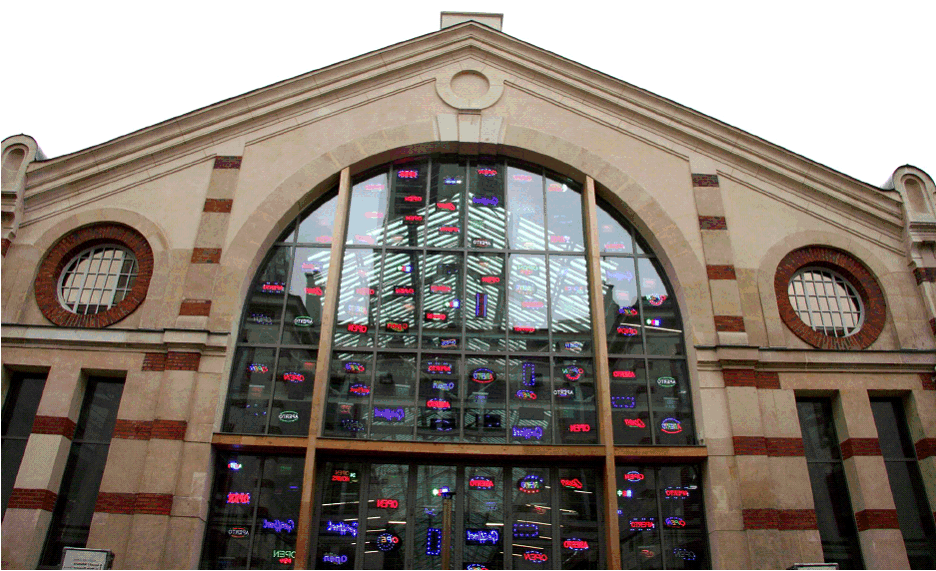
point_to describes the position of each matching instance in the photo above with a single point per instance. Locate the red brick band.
(933, 325)
(60, 425)
(222, 205)
(704, 179)
(206, 255)
(761, 446)
(133, 429)
(877, 519)
(116, 503)
(154, 362)
(5, 246)
(181, 361)
(924, 275)
(855, 272)
(713, 223)
(928, 380)
(925, 447)
(198, 307)
(169, 429)
(31, 499)
(721, 272)
(749, 445)
(790, 446)
(751, 378)
(782, 519)
(729, 323)
(227, 162)
(65, 249)
(860, 447)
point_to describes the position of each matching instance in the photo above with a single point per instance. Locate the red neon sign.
(445, 206)
(579, 428)
(634, 423)
(438, 403)
(633, 476)
(480, 482)
(624, 374)
(404, 291)
(238, 498)
(576, 544)
(408, 174)
(573, 483)
(399, 327)
(524, 329)
(413, 218)
(532, 304)
(387, 503)
(490, 279)
(628, 331)
(436, 316)
(449, 229)
(314, 291)
(365, 291)
(440, 289)
(357, 328)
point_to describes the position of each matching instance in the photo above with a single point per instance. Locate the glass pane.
(394, 388)
(660, 316)
(680, 490)
(486, 314)
(613, 237)
(338, 520)
(274, 545)
(570, 322)
(622, 305)
(532, 517)
(485, 404)
(564, 212)
(526, 223)
(250, 390)
(487, 215)
(819, 439)
(672, 403)
(318, 225)
(576, 415)
(264, 308)
(357, 302)
(406, 220)
(834, 514)
(433, 485)
(484, 514)
(368, 210)
(99, 410)
(400, 298)
(304, 300)
(292, 398)
(892, 429)
(579, 526)
(630, 414)
(385, 538)
(527, 296)
(916, 520)
(350, 388)
(637, 517)
(531, 402)
(446, 204)
(439, 401)
(442, 305)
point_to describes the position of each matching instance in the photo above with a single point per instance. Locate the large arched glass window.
(463, 315)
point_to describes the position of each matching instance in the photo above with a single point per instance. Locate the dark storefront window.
(19, 411)
(906, 482)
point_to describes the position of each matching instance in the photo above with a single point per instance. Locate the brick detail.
(169, 429)
(206, 255)
(729, 323)
(113, 503)
(32, 499)
(721, 272)
(222, 205)
(933, 325)
(46, 285)
(855, 272)
(924, 275)
(760, 518)
(61, 425)
(154, 362)
(5, 246)
(751, 378)
(860, 447)
(797, 519)
(199, 307)
(928, 380)
(877, 519)
(767, 380)
(228, 162)
(749, 445)
(133, 429)
(785, 447)
(925, 447)
(180, 361)
(704, 179)
(140, 503)
(713, 223)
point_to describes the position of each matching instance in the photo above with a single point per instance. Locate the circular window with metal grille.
(97, 279)
(826, 301)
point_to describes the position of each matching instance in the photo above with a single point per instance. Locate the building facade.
(462, 303)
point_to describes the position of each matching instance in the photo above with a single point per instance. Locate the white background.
(847, 84)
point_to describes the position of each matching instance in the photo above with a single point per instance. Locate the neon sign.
(438, 367)
(525, 289)
(333, 558)
(412, 219)
(352, 425)
(342, 528)
(390, 414)
(677, 493)
(405, 268)
(279, 525)
(261, 319)
(632, 311)
(526, 394)
(563, 393)
(527, 432)
(302, 321)
(666, 382)
(619, 276)
(440, 288)
(624, 374)
(481, 483)
(443, 386)
(523, 178)
(476, 567)
(560, 240)
(482, 536)
(484, 200)
(238, 532)
(535, 557)
(556, 187)
(526, 269)
(581, 427)
(671, 426)
(412, 173)
(404, 291)
(446, 206)
(387, 542)
(257, 368)
(624, 494)
(432, 316)
(483, 376)
(574, 346)
(531, 484)
(633, 476)
(359, 390)
(448, 342)
(481, 305)
(526, 530)
(528, 374)
(642, 523)
(654, 322)
(343, 476)
(387, 504)
(374, 187)
(573, 483)
(355, 309)
(627, 331)
(487, 172)
(354, 367)
(238, 498)
(481, 243)
(323, 239)
(317, 291)
(674, 521)
(575, 544)
(634, 423)
(449, 229)
(235, 465)
(656, 300)
(293, 377)
(288, 416)
(684, 554)
(454, 304)
(272, 287)
(623, 402)
(452, 180)
(572, 372)
(397, 326)
(438, 404)
(490, 279)
(524, 329)
(533, 305)
(433, 541)
(357, 328)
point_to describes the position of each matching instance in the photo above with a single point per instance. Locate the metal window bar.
(826, 302)
(106, 274)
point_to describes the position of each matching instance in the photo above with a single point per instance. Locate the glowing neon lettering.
(272, 287)
(490, 279)
(412, 218)
(666, 382)
(238, 532)
(390, 414)
(526, 530)
(523, 178)
(359, 390)
(446, 206)
(624, 374)
(342, 527)
(449, 229)
(684, 554)
(399, 327)
(257, 368)
(574, 346)
(580, 427)
(623, 402)
(387, 542)
(433, 541)
(288, 416)
(654, 322)
(354, 367)
(387, 504)
(334, 558)
(560, 239)
(575, 544)
(357, 328)
(563, 393)
(572, 372)
(634, 423)
(454, 304)
(671, 426)
(483, 376)
(432, 316)
(633, 476)
(238, 498)
(531, 484)
(317, 291)
(624, 494)
(438, 367)
(674, 522)
(525, 394)
(573, 483)
(440, 288)
(526, 269)
(448, 342)
(632, 311)
(235, 465)
(527, 432)
(484, 200)
(524, 329)
(302, 321)
(643, 523)
(656, 300)
(438, 404)
(481, 483)
(411, 173)
(443, 386)
(279, 525)
(487, 172)
(627, 331)
(481, 243)
(533, 305)
(452, 180)
(261, 319)
(482, 536)
(293, 377)
(676, 493)
(404, 291)
(405, 268)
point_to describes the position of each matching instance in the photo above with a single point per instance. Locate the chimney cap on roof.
(495, 21)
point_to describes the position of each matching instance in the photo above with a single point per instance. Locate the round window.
(826, 301)
(97, 279)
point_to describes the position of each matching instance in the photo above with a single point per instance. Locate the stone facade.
(201, 198)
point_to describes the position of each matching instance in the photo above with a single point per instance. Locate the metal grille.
(97, 279)
(826, 302)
